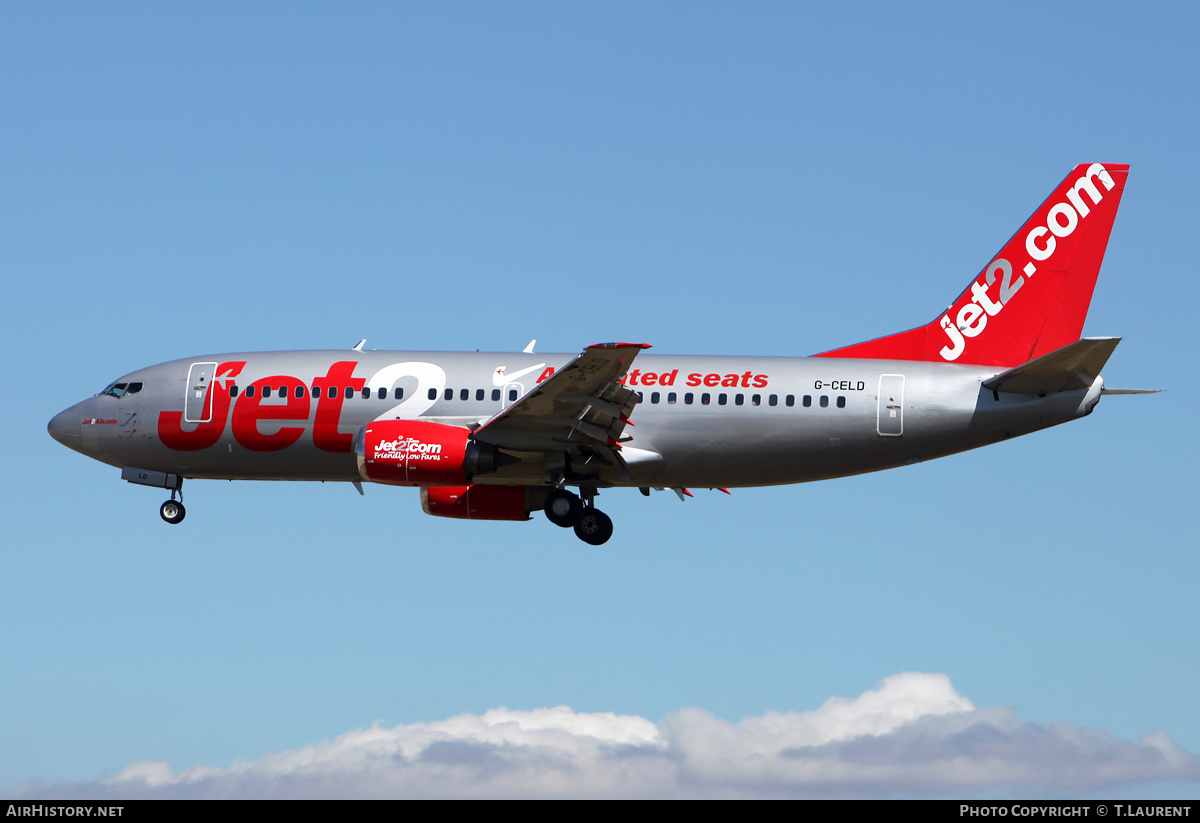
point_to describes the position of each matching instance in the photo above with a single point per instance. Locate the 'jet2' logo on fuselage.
(1040, 243)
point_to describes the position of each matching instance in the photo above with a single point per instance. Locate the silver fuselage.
(701, 422)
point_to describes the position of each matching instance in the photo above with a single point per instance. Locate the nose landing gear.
(566, 509)
(173, 511)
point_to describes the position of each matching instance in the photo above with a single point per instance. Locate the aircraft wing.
(583, 404)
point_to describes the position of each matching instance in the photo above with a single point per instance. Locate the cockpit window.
(121, 389)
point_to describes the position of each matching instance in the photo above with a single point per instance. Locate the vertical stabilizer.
(1033, 297)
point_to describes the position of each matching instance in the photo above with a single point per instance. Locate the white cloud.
(913, 735)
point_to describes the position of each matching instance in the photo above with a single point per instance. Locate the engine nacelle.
(478, 502)
(420, 453)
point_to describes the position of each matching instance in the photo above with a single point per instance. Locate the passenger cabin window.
(705, 399)
(366, 393)
(756, 400)
(479, 394)
(512, 395)
(495, 395)
(740, 399)
(824, 401)
(841, 402)
(773, 400)
(671, 398)
(465, 394)
(654, 396)
(299, 392)
(316, 393)
(790, 400)
(449, 394)
(381, 394)
(433, 394)
(233, 390)
(331, 393)
(688, 399)
(398, 393)
(807, 400)
(349, 393)
(250, 390)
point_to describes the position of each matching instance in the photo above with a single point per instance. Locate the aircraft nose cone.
(66, 429)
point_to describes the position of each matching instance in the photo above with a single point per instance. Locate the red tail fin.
(1034, 295)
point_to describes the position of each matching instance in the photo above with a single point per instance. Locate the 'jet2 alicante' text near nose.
(498, 436)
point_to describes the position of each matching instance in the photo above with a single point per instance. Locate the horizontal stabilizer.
(1070, 368)
(1130, 391)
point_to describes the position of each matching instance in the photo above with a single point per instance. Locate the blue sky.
(709, 178)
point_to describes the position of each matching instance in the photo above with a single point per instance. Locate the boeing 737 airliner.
(499, 436)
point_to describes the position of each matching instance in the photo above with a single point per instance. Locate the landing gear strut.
(173, 511)
(566, 509)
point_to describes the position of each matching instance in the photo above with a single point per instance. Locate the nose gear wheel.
(172, 511)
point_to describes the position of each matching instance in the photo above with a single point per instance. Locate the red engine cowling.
(420, 453)
(477, 502)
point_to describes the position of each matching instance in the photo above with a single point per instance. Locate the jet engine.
(480, 502)
(420, 453)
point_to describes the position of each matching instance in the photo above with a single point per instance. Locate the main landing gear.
(566, 509)
(173, 511)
